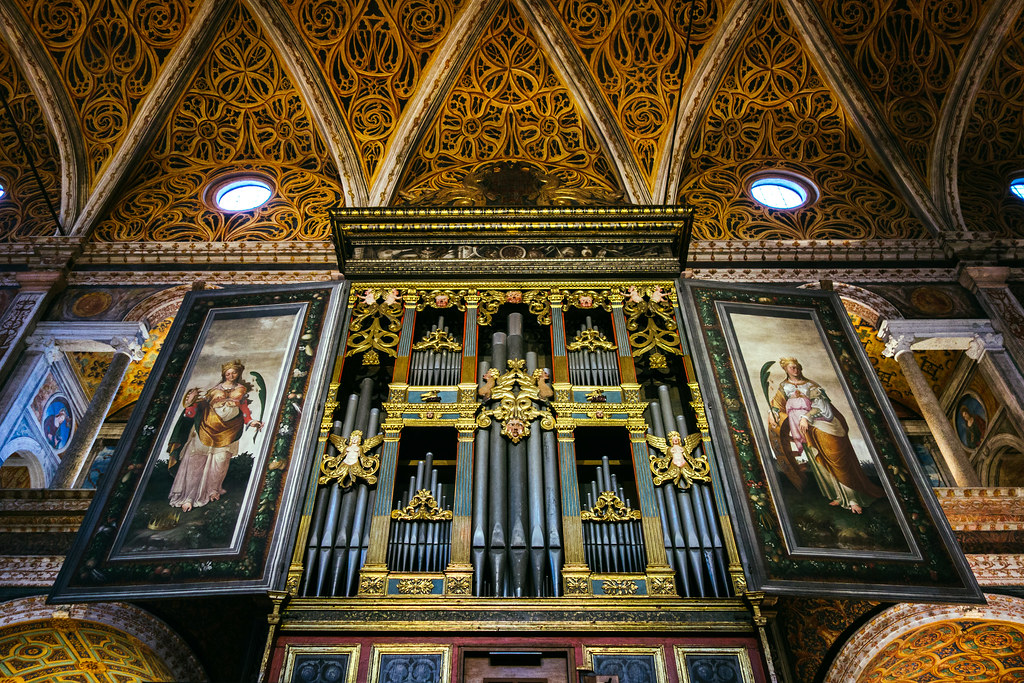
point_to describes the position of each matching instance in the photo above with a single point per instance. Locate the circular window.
(241, 193)
(781, 189)
(1016, 187)
(3, 191)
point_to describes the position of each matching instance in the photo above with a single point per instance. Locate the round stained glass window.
(777, 189)
(1017, 187)
(242, 194)
(3, 191)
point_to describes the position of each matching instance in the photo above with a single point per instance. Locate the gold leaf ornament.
(676, 462)
(352, 460)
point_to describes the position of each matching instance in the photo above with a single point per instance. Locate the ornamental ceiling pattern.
(373, 54)
(398, 102)
(907, 54)
(954, 650)
(67, 649)
(241, 112)
(508, 104)
(993, 146)
(774, 110)
(640, 54)
(108, 53)
(25, 213)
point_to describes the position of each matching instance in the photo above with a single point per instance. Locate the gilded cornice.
(216, 278)
(579, 79)
(751, 273)
(247, 254)
(60, 116)
(943, 167)
(862, 110)
(700, 89)
(151, 115)
(310, 81)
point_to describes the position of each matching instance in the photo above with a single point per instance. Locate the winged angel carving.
(677, 462)
(353, 460)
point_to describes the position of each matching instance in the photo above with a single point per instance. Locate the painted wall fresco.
(98, 303)
(811, 627)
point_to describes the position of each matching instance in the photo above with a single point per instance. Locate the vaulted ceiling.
(908, 115)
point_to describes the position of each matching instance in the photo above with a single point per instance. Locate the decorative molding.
(983, 509)
(248, 254)
(998, 570)
(879, 631)
(774, 276)
(24, 571)
(188, 277)
(973, 336)
(788, 252)
(154, 633)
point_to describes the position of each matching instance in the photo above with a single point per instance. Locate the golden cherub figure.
(676, 461)
(353, 460)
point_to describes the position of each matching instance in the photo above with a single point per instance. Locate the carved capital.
(895, 344)
(981, 343)
(129, 346)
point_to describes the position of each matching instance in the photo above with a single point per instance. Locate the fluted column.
(959, 465)
(126, 350)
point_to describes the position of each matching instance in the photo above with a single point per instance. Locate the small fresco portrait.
(58, 423)
(971, 421)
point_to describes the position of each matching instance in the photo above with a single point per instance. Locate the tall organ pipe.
(478, 519)
(535, 482)
(518, 514)
(497, 501)
(553, 511)
(677, 542)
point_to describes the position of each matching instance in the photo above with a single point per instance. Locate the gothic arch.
(898, 621)
(30, 452)
(168, 651)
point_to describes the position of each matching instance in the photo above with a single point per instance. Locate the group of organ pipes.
(456, 466)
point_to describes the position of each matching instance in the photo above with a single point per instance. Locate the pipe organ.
(513, 440)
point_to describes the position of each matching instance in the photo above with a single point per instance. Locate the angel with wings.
(677, 461)
(353, 460)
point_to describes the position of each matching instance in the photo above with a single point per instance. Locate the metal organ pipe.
(478, 519)
(497, 500)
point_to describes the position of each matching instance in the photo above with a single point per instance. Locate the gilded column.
(459, 573)
(126, 350)
(373, 576)
(575, 573)
(660, 576)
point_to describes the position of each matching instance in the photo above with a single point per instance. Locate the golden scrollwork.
(423, 506)
(773, 104)
(441, 298)
(330, 405)
(416, 586)
(240, 113)
(375, 54)
(609, 508)
(639, 69)
(619, 587)
(909, 89)
(438, 340)
(650, 320)
(363, 338)
(677, 462)
(352, 461)
(508, 104)
(22, 214)
(590, 340)
(697, 403)
(515, 410)
(586, 299)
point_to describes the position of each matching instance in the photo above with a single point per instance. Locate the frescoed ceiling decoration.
(241, 112)
(937, 367)
(635, 51)
(960, 650)
(907, 54)
(812, 626)
(25, 211)
(109, 54)
(508, 106)
(373, 54)
(479, 102)
(992, 152)
(773, 109)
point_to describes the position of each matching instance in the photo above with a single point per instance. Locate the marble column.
(957, 462)
(126, 350)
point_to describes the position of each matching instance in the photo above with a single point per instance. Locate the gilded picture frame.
(826, 495)
(221, 438)
(321, 663)
(713, 664)
(389, 661)
(632, 664)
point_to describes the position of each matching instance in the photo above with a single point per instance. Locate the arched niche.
(121, 641)
(910, 641)
(25, 452)
(1001, 461)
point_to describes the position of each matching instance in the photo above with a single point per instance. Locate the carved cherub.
(544, 390)
(676, 461)
(487, 385)
(353, 460)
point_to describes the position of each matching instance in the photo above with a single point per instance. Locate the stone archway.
(950, 642)
(119, 641)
